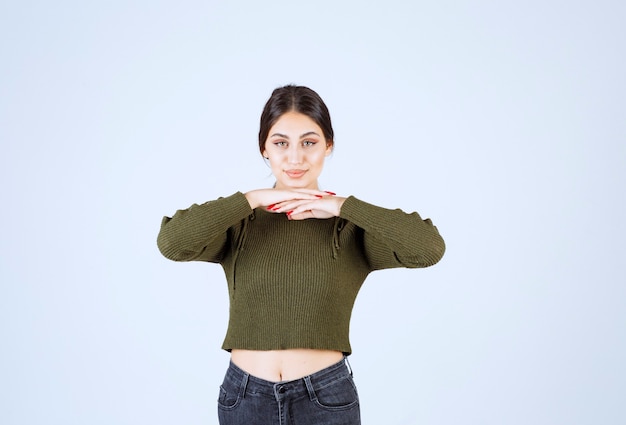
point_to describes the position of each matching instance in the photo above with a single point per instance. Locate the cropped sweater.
(291, 283)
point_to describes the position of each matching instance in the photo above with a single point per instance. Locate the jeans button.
(281, 390)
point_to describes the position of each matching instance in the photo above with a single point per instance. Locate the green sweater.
(292, 284)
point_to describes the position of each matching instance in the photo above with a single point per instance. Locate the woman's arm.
(200, 231)
(393, 238)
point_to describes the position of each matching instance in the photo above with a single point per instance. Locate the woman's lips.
(294, 174)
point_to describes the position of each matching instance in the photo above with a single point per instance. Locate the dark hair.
(299, 99)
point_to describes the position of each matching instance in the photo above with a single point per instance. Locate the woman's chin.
(296, 184)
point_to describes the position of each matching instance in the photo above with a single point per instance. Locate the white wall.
(502, 121)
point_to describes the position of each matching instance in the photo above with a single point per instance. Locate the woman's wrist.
(252, 199)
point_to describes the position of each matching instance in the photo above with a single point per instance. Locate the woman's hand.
(326, 206)
(298, 204)
(271, 197)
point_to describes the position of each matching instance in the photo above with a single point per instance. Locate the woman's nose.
(295, 155)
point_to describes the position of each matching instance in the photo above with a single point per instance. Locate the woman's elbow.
(437, 249)
(171, 250)
(165, 247)
(429, 254)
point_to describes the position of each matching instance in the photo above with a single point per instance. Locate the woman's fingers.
(319, 214)
(266, 197)
(313, 192)
(320, 208)
(283, 207)
(295, 195)
(300, 203)
(300, 216)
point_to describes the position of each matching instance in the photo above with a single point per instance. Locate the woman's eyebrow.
(309, 133)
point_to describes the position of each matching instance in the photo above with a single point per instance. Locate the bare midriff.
(284, 365)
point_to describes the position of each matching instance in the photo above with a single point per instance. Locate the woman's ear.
(329, 148)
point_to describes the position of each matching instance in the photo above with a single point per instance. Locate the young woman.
(294, 257)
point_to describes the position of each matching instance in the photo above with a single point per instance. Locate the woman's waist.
(284, 365)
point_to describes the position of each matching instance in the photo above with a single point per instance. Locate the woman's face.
(296, 149)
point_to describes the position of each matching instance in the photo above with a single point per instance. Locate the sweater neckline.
(264, 211)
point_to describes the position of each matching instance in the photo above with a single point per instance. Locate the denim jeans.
(327, 397)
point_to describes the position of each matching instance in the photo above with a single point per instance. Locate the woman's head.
(300, 99)
(296, 136)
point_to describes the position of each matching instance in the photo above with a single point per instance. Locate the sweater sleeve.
(393, 238)
(200, 232)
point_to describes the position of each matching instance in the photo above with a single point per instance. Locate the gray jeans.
(327, 397)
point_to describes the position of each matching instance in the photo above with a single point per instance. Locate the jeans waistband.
(310, 383)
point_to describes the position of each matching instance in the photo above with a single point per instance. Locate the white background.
(503, 121)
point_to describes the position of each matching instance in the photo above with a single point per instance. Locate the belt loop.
(309, 387)
(348, 364)
(244, 385)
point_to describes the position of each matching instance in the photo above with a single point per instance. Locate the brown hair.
(299, 99)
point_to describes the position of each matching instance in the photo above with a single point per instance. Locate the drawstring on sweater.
(244, 232)
(241, 240)
(339, 223)
(335, 244)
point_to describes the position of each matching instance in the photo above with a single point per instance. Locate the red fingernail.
(269, 207)
(289, 212)
(330, 193)
(319, 196)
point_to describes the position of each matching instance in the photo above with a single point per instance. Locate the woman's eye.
(281, 143)
(308, 143)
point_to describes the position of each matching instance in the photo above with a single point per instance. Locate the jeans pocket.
(339, 395)
(228, 397)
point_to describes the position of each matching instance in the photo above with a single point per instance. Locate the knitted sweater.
(291, 283)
